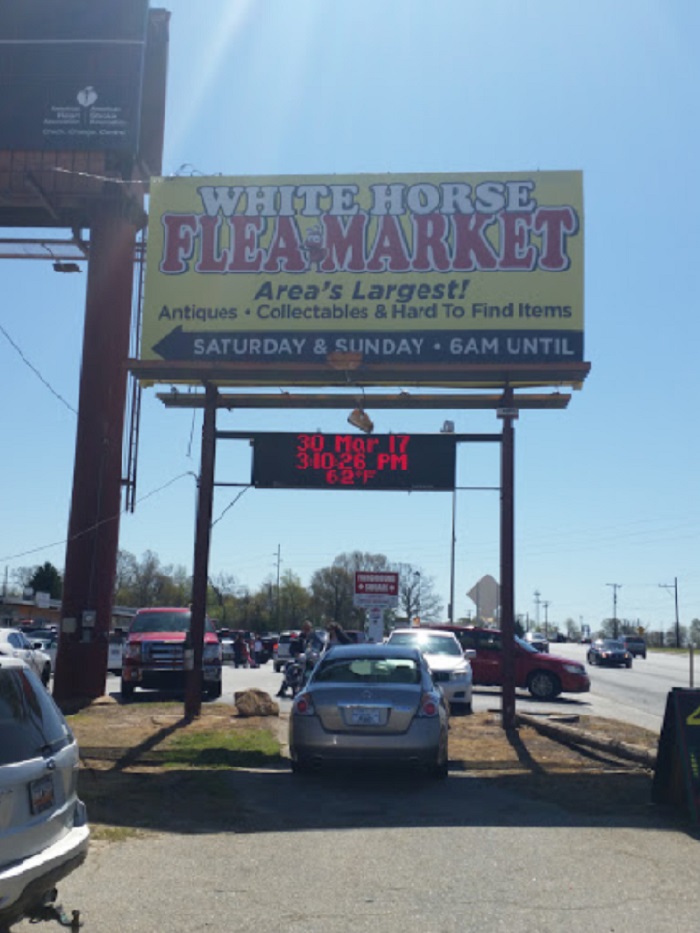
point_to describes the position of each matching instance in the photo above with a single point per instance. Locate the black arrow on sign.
(177, 345)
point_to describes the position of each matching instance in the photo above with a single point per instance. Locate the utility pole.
(537, 610)
(546, 603)
(615, 588)
(674, 587)
(278, 587)
(451, 612)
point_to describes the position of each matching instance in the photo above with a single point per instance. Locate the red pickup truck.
(154, 653)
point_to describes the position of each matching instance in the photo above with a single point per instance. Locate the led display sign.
(348, 461)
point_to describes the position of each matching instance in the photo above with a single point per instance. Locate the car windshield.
(609, 644)
(428, 644)
(30, 722)
(368, 671)
(166, 622)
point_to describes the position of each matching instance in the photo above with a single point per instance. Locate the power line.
(35, 370)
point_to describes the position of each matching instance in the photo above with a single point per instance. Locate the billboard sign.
(374, 588)
(422, 275)
(71, 74)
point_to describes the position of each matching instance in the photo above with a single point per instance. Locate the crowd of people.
(251, 652)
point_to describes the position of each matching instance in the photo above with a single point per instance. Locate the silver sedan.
(370, 703)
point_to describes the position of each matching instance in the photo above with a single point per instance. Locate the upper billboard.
(399, 278)
(71, 74)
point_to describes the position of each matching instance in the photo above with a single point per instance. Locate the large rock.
(255, 703)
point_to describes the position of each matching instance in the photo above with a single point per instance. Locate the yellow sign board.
(425, 275)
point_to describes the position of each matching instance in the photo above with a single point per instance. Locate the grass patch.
(221, 749)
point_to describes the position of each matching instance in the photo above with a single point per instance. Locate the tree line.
(276, 605)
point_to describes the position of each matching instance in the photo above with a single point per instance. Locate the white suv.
(43, 825)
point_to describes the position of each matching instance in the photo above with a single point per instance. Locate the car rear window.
(31, 724)
(368, 670)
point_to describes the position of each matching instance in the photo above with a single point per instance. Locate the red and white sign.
(373, 588)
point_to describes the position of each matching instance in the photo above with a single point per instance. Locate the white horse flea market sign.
(418, 278)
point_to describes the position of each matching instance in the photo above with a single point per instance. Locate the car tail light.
(429, 706)
(304, 705)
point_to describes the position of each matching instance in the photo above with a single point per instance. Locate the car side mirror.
(469, 654)
(36, 645)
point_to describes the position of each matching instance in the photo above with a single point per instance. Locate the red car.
(544, 675)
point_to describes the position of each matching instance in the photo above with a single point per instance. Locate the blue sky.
(607, 490)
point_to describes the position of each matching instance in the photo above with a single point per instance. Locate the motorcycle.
(296, 673)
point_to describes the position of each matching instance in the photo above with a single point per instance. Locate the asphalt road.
(637, 696)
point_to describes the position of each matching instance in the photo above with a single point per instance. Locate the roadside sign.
(375, 623)
(677, 773)
(373, 588)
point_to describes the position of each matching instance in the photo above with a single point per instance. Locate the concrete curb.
(575, 736)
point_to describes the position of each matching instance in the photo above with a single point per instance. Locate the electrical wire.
(35, 370)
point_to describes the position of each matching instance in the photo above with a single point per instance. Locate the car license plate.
(360, 716)
(41, 794)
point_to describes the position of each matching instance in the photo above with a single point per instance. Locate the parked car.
(154, 653)
(370, 703)
(450, 668)
(544, 675)
(15, 644)
(227, 648)
(537, 640)
(46, 642)
(44, 833)
(284, 649)
(609, 652)
(635, 644)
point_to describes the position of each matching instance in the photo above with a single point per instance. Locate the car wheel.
(543, 685)
(628, 663)
(46, 675)
(127, 691)
(214, 691)
(591, 660)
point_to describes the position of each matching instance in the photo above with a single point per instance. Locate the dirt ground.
(122, 770)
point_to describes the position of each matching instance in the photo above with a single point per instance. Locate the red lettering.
(178, 242)
(344, 244)
(429, 243)
(516, 249)
(246, 255)
(285, 253)
(211, 259)
(554, 224)
(472, 248)
(390, 251)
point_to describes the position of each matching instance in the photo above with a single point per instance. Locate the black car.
(609, 651)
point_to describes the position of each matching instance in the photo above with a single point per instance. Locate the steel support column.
(93, 529)
(200, 576)
(508, 568)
